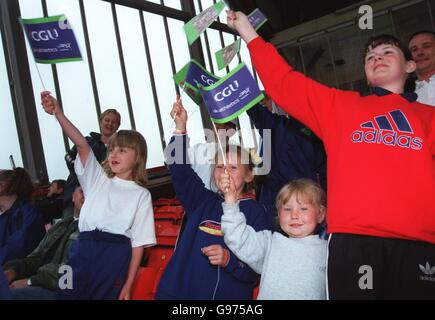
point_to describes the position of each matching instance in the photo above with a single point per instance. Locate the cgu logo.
(45, 35)
(227, 91)
(206, 80)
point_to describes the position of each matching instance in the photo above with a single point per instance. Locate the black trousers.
(365, 267)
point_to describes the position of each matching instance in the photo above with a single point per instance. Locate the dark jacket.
(189, 275)
(98, 148)
(42, 265)
(21, 230)
(296, 153)
(50, 207)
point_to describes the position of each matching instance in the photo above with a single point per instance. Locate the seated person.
(51, 206)
(21, 225)
(37, 275)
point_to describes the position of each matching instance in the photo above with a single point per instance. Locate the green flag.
(202, 21)
(192, 76)
(227, 54)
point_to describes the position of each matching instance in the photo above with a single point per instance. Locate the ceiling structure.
(284, 14)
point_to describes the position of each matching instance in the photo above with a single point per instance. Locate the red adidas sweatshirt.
(381, 151)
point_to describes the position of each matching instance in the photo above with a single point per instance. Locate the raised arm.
(51, 106)
(247, 244)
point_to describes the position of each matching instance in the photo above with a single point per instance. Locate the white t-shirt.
(426, 91)
(114, 205)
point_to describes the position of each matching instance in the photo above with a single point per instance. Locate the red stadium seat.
(255, 292)
(166, 232)
(174, 213)
(145, 284)
(159, 256)
(166, 202)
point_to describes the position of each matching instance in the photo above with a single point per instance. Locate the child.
(292, 263)
(376, 146)
(110, 120)
(116, 220)
(21, 225)
(202, 267)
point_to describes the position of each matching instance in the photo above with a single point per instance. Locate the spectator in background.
(21, 225)
(110, 121)
(422, 47)
(51, 206)
(271, 106)
(37, 275)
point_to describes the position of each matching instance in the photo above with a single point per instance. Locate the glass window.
(105, 56)
(74, 78)
(347, 45)
(431, 5)
(139, 82)
(176, 4)
(291, 54)
(411, 19)
(51, 133)
(9, 144)
(214, 41)
(318, 62)
(162, 70)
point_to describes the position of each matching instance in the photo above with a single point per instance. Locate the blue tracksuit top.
(189, 275)
(21, 230)
(296, 153)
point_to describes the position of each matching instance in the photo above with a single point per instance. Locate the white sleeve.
(90, 174)
(143, 231)
(247, 244)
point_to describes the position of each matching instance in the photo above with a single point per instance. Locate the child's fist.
(49, 103)
(179, 114)
(217, 255)
(240, 22)
(227, 187)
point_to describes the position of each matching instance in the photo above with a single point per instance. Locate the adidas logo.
(392, 129)
(428, 271)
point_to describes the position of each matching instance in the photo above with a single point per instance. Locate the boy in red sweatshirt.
(381, 169)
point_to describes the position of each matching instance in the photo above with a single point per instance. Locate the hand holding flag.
(179, 114)
(239, 21)
(49, 103)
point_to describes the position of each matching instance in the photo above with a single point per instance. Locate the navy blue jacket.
(296, 153)
(189, 275)
(21, 230)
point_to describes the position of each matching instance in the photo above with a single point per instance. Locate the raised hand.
(239, 22)
(227, 187)
(179, 114)
(49, 103)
